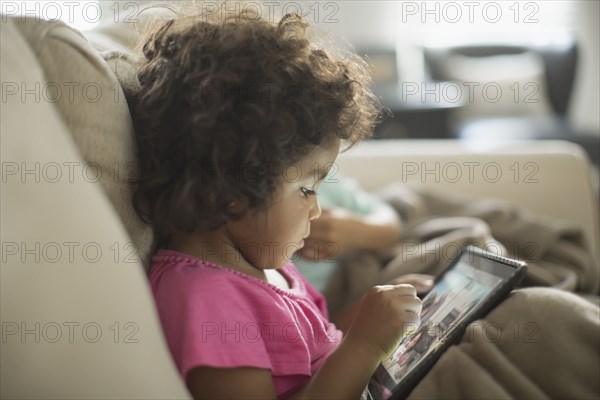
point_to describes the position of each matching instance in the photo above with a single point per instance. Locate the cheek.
(290, 218)
(301, 211)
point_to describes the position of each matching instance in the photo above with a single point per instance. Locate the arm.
(344, 375)
(384, 316)
(376, 231)
(381, 229)
(230, 383)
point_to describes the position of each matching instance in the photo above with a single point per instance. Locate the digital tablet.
(472, 285)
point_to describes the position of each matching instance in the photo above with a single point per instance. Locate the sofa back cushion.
(78, 317)
(92, 103)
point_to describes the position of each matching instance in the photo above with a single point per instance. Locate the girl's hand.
(387, 313)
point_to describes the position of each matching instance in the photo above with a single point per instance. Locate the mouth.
(301, 242)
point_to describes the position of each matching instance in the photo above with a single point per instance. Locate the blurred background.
(480, 71)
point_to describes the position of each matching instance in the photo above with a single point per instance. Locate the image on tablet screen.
(449, 302)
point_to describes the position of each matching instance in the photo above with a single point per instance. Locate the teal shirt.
(336, 192)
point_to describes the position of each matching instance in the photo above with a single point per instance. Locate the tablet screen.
(456, 296)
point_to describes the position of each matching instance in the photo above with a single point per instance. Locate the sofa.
(78, 318)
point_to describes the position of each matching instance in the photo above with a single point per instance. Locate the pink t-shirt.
(218, 317)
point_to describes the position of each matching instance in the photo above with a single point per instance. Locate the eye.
(308, 192)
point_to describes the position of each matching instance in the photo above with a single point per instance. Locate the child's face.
(268, 239)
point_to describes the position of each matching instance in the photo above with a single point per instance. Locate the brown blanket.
(436, 227)
(540, 342)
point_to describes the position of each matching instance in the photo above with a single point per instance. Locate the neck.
(217, 248)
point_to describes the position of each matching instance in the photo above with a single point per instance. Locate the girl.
(237, 123)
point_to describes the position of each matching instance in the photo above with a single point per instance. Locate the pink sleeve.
(208, 322)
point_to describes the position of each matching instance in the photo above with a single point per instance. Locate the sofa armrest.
(551, 178)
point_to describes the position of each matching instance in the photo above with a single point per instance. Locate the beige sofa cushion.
(76, 324)
(92, 104)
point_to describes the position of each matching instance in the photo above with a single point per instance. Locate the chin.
(270, 263)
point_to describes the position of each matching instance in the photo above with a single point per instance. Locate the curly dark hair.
(224, 106)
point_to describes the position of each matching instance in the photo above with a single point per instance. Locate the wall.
(390, 23)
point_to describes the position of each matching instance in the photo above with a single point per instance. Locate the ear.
(237, 206)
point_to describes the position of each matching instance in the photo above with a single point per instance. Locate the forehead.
(321, 157)
(312, 167)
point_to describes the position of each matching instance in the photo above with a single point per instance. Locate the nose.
(315, 209)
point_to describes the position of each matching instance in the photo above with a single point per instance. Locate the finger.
(309, 253)
(320, 227)
(325, 214)
(316, 235)
(385, 287)
(311, 243)
(398, 290)
(424, 288)
(323, 239)
(411, 304)
(324, 246)
(318, 253)
(408, 319)
(405, 290)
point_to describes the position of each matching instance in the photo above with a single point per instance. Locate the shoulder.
(209, 314)
(185, 280)
(170, 268)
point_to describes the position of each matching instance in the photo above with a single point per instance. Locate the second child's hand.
(338, 231)
(331, 235)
